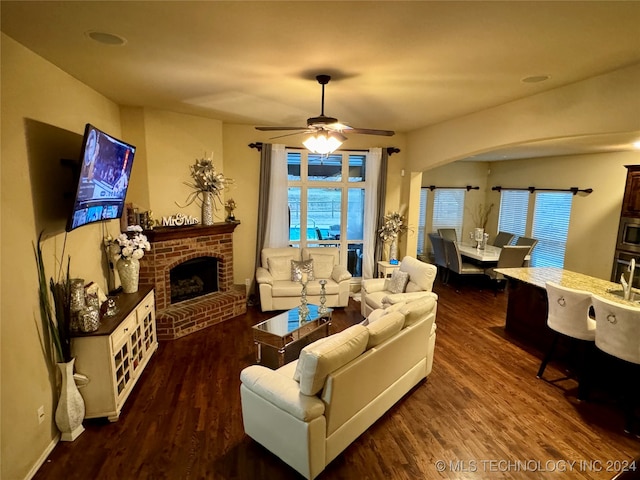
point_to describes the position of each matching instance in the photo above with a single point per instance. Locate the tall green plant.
(57, 325)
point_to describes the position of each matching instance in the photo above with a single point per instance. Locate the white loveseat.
(374, 292)
(279, 292)
(308, 411)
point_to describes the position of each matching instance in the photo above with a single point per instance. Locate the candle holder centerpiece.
(303, 309)
(322, 310)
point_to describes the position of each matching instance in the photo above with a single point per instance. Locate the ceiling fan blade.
(369, 131)
(275, 129)
(289, 134)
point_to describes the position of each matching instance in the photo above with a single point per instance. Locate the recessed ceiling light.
(536, 78)
(106, 38)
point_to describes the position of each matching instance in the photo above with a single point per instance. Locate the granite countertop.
(539, 276)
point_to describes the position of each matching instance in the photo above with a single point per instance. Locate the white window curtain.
(374, 158)
(277, 227)
(422, 220)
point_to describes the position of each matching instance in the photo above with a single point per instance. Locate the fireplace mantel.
(160, 234)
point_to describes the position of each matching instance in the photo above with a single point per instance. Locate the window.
(514, 205)
(448, 209)
(548, 223)
(422, 220)
(550, 226)
(326, 203)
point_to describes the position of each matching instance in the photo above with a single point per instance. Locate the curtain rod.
(573, 190)
(468, 187)
(390, 150)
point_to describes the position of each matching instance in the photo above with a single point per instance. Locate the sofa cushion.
(421, 275)
(280, 267)
(322, 265)
(319, 359)
(398, 282)
(383, 328)
(417, 310)
(300, 267)
(376, 314)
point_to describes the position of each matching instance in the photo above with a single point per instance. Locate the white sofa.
(308, 411)
(374, 292)
(279, 292)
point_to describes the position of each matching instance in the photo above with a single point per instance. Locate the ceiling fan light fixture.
(324, 142)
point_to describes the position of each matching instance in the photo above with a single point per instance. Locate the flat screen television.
(104, 177)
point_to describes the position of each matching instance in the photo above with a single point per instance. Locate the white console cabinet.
(115, 355)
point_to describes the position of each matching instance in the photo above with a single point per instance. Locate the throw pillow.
(300, 267)
(322, 265)
(280, 267)
(398, 281)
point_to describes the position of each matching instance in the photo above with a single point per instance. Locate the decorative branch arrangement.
(480, 215)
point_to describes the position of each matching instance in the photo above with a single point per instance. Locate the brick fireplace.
(173, 246)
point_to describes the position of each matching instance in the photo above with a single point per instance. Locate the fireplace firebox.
(193, 278)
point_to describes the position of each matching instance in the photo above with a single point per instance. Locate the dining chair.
(568, 315)
(448, 233)
(618, 335)
(502, 239)
(439, 256)
(531, 242)
(511, 256)
(454, 260)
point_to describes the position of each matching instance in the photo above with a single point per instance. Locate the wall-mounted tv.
(104, 177)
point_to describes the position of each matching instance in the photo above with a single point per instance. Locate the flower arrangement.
(56, 322)
(392, 227)
(480, 215)
(129, 245)
(205, 179)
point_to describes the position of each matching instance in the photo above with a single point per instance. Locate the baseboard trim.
(43, 458)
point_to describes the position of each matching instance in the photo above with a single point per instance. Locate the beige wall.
(605, 104)
(35, 92)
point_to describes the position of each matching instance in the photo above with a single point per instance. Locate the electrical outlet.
(247, 282)
(41, 414)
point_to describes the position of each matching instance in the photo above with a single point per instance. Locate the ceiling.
(395, 65)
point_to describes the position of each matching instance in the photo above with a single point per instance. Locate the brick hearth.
(171, 246)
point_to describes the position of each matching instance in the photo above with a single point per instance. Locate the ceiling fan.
(327, 132)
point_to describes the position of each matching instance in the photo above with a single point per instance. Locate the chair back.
(421, 274)
(617, 329)
(569, 312)
(532, 242)
(454, 260)
(448, 233)
(439, 257)
(512, 256)
(502, 239)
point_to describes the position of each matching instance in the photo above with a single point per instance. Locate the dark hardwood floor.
(482, 412)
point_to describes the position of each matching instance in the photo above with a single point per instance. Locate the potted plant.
(70, 410)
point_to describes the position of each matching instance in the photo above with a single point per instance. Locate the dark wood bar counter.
(527, 305)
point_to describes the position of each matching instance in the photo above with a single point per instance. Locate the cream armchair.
(279, 292)
(375, 294)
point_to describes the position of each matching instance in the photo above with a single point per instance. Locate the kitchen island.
(527, 305)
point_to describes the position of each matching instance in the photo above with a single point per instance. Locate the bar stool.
(618, 335)
(569, 316)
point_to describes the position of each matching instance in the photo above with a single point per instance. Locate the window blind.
(448, 209)
(422, 219)
(552, 212)
(514, 206)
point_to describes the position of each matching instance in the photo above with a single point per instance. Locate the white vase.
(129, 272)
(393, 250)
(478, 235)
(207, 208)
(70, 409)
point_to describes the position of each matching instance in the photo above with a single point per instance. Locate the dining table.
(488, 254)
